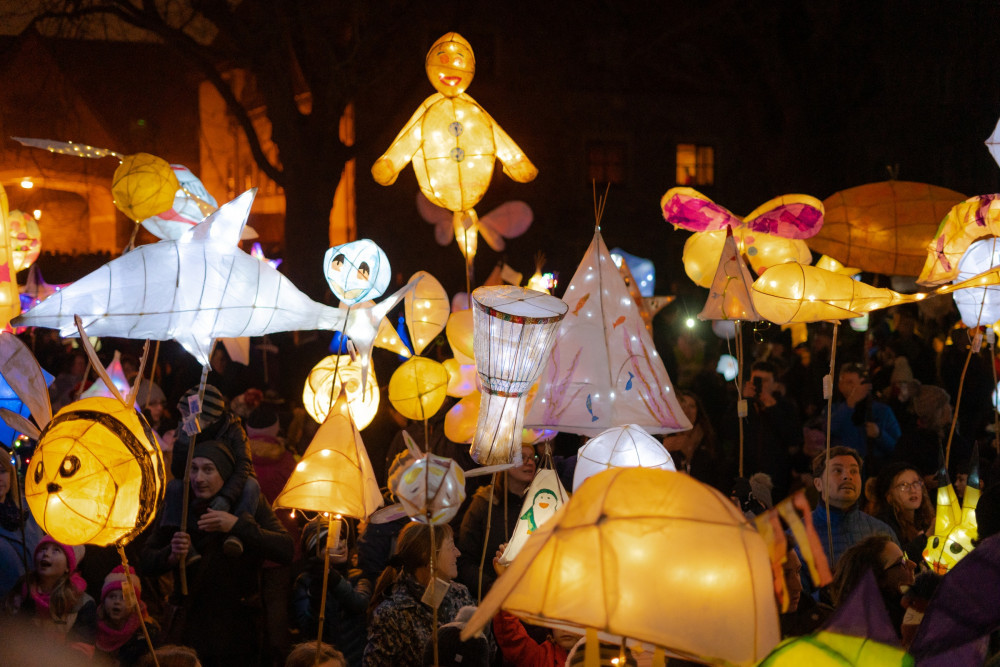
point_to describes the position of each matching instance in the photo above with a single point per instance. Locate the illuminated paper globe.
(427, 309)
(97, 476)
(335, 474)
(515, 330)
(143, 186)
(978, 305)
(418, 388)
(649, 555)
(431, 489)
(459, 331)
(620, 447)
(357, 271)
(325, 381)
(460, 422)
(25, 239)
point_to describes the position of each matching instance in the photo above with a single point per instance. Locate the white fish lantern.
(431, 489)
(96, 477)
(357, 271)
(324, 383)
(620, 447)
(978, 305)
(515, 329)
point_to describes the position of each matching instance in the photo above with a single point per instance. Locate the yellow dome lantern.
(143, 186)
(96, 476)
(325, 381)
(418, 388)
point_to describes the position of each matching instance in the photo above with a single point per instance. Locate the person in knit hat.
(120, 637)
(53, 596)
(217, 423)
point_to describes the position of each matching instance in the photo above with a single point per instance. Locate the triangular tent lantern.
(729, 297)
(604, 370)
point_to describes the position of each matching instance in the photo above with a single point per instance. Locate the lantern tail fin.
(68, 148)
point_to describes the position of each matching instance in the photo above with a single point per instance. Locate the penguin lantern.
(96, 477)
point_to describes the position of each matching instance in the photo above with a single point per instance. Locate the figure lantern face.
(96, 477)
(451, 65)
(357, 271)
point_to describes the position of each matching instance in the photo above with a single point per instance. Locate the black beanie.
(217, 453)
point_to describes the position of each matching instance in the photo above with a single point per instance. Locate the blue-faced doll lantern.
(357, 271)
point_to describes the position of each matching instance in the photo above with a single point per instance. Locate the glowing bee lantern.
(335, 474)
(357, 271)
(427, 309)
(143, 186)
(324, 383)
(515, 331)
(96, 476)
(542, 500)
(418, 388)
(431, 489)
(981, 305)
(25, 239)
(607, 546)
(955, 525)
(620, 447)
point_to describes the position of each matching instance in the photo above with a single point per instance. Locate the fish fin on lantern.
(508, 220)
(21, 371)
(441, 218)
(224, 225)
(691, 210)
(411, 446)
(199, 349)
(68, 148)
(20, 424)
(788, 216)
(95, 362)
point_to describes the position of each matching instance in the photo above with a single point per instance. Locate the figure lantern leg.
(466, 225)
(332, 542)
(187, 481)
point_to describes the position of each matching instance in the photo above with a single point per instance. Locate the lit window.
(606, 162)
(695, 165)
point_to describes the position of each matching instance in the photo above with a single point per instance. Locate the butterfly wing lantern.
(515, 330)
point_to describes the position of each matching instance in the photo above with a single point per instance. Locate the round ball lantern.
(96, 476)
(431, 489)
(357, 271)
(143, 186)
(324, 383)
(418, 388)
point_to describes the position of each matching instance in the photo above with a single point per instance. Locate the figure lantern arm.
(386, 169)
(515, 163)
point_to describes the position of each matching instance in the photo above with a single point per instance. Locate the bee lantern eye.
(937, 541)
(955, 548)
(69, 466)
(39, 472)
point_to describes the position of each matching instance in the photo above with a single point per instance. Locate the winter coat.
(345, 625)
(520, 649)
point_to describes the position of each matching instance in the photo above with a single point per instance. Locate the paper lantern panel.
(357, 271)
(978, 305)
(431, 489)
(324, 383)
(427, 309)
(620, 447)
(96, 476)
(143, 186)
(418, 388)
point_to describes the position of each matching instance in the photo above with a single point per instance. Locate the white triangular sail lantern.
(544, 497)
(993, 143)
(604, 370)
(729, 297)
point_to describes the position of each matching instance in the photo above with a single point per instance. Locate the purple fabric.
(964, 608)
(790, 221)
(697, 215)
(863, 614)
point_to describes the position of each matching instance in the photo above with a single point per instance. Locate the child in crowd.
(120, 637)
(53, 596)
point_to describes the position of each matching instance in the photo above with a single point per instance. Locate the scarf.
(41, 599)
(110, 639)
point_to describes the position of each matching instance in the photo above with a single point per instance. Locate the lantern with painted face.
(431, 489)
(96, 476)
(357, 271)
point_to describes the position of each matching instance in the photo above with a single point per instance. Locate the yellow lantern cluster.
(325, 381)
(418, 388)
(96, 476)
(143, 186)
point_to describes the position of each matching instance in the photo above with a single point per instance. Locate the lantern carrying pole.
(828, 393)
(433, 583)
(486, 540)
(741, 406)
(974, 344)
(332, 541)
(142, 621)
(187, 480)
(991, 339)
(152, 374)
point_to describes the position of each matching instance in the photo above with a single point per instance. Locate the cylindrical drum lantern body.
(515, 329)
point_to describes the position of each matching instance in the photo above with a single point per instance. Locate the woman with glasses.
(901, 500)
(893, 571)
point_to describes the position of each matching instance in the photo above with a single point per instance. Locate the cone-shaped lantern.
(334, 474)
(515, 330)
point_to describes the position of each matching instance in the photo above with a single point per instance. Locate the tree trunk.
(308, 199)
